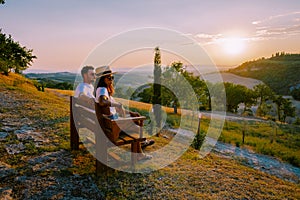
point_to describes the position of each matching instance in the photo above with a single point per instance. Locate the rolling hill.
(280, 72)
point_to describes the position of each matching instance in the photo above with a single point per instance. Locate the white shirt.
(103, 91)
(86, 89)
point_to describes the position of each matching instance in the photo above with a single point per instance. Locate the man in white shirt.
(85, 90)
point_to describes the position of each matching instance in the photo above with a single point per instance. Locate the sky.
(63, 33)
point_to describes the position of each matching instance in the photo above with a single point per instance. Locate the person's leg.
(132, 128)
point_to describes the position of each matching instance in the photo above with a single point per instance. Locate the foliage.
(263, 92)
(175, 77)
(258, 135)
(2, 1)
(156, 97)
(297, 121)
(284, 108)
(236, 94)
(296, 94)
(13, 56)
(60, 80)
(55, 84)
(273, 71)
(198, 140)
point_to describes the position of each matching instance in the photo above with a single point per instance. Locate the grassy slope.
(47, 112)
(279, 73)
(281, 141)
(187, 178)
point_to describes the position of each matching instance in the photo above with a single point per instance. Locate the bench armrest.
(125, 118)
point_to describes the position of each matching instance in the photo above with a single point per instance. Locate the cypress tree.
(156, 98)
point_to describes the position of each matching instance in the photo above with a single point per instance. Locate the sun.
(233, 45)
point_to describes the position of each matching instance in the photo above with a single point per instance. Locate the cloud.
(205, 39)
(276, 17)
(278, 27)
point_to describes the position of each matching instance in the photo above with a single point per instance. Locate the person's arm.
(87, 99)
(104, 101)
(132, 114)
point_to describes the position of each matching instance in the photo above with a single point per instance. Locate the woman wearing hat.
(103, 91)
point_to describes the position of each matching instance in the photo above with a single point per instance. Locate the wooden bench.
(106, 132)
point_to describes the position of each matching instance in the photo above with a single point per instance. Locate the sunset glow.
(63, 33)
(233, 46)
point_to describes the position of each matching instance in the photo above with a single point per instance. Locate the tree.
(13, 56)
(235, 94)
(263, 93)
(249, 98)
(177, 75)
(284, 108)
(288, 109)
(156, 100)
(2, 2)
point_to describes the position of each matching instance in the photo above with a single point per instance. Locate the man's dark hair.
(85, 69)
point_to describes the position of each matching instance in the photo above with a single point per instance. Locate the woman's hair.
(101, 83)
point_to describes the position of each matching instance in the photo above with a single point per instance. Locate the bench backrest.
(91, 117)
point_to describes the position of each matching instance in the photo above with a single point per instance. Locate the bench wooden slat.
(91, 140)
(87, 123)
(82, 103)
(88, 113)
(84, 115)
(115, 156)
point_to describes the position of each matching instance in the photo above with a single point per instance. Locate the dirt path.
(260, 162)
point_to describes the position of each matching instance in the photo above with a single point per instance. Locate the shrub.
(198, 140)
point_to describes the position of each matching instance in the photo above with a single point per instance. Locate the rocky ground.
(29, 169)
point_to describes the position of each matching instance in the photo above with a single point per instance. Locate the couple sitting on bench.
(102, 94)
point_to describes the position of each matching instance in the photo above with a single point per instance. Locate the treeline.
(13, 56)
(40, 84)
(269, 104)
(280, 72)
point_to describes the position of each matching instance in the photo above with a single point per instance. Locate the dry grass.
(193, 178)
(187, 178)
(143, 106)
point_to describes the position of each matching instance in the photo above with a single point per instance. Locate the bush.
(198, 140)
(293, 160)
(297, 121)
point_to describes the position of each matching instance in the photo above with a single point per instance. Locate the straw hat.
(103, 71)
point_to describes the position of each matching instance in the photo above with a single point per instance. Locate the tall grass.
(280, 141)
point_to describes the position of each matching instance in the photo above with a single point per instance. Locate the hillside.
(36, 161)
(280, 72)
(55, 76)
(66, 80)
(232, 78)
(58, 80)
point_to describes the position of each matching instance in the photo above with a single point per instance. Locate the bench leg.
(101, 168)
(74, 137)
(134, 150)
(101, 155)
